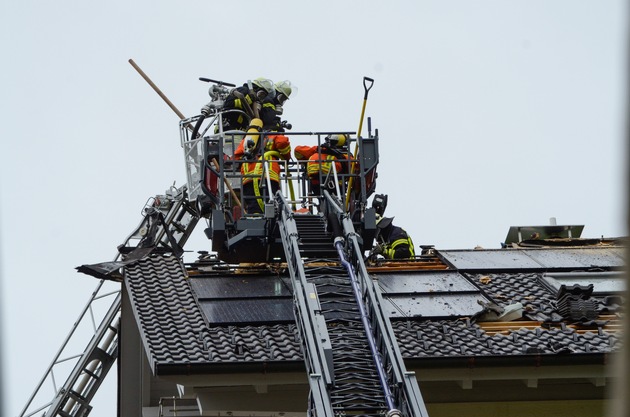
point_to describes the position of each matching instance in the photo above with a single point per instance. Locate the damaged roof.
(537, 305)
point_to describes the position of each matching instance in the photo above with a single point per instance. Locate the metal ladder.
(352, 358)
(168, 221)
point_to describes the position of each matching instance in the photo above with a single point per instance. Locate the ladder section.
(400, 387)
(90, 366)
(74, 397)
(315, 240)
(352, 358)
(356, 388)
(168, 222)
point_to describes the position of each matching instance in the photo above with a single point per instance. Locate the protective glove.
(376, 250)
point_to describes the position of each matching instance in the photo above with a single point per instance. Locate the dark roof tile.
(175, 330)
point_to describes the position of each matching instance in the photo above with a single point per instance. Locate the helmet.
(336, 140)
(383, 222)
(264, 83)
(379, 203)
(284, 87)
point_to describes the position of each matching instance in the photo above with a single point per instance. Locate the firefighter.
(393, 242)
(320, 160)
(252, 153)
(249, 100)
(272, 105)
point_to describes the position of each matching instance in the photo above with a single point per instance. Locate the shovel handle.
(365, 86)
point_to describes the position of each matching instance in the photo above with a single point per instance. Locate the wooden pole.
(182, 117)
(157, 90)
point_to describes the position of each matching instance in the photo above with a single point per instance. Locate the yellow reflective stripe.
(399, 242)
(273, 175)
(258, 171)
(238, 104)
(285, 150)
(314, 167)
(247, 173)
(270, 105)
(260, 202)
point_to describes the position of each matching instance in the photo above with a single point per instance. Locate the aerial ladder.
(352, 358)
(168, 220)
(350, 351)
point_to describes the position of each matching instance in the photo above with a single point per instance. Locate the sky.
(490, 114)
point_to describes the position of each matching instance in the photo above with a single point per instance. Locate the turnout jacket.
(274, 148)
(397, 244)
(320, 159)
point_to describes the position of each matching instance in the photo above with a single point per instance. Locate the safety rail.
(213, 173)
(194, 147)
(177, 407)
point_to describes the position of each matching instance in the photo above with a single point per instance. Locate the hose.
(195, 130)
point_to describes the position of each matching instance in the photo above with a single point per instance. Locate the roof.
(208, 316)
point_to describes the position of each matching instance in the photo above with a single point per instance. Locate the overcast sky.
(490, 114)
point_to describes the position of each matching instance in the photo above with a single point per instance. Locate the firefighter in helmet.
(272, 105)
(319, 167)
(248, 98)
(392, 242)
(253, 152)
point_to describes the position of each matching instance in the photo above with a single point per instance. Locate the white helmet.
(284, 87)
(264, 83)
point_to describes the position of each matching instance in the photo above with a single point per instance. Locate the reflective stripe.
(285, 151)
(239, 105)
(390, 250)
(257, 171)
(260, 202)
(315, 166)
